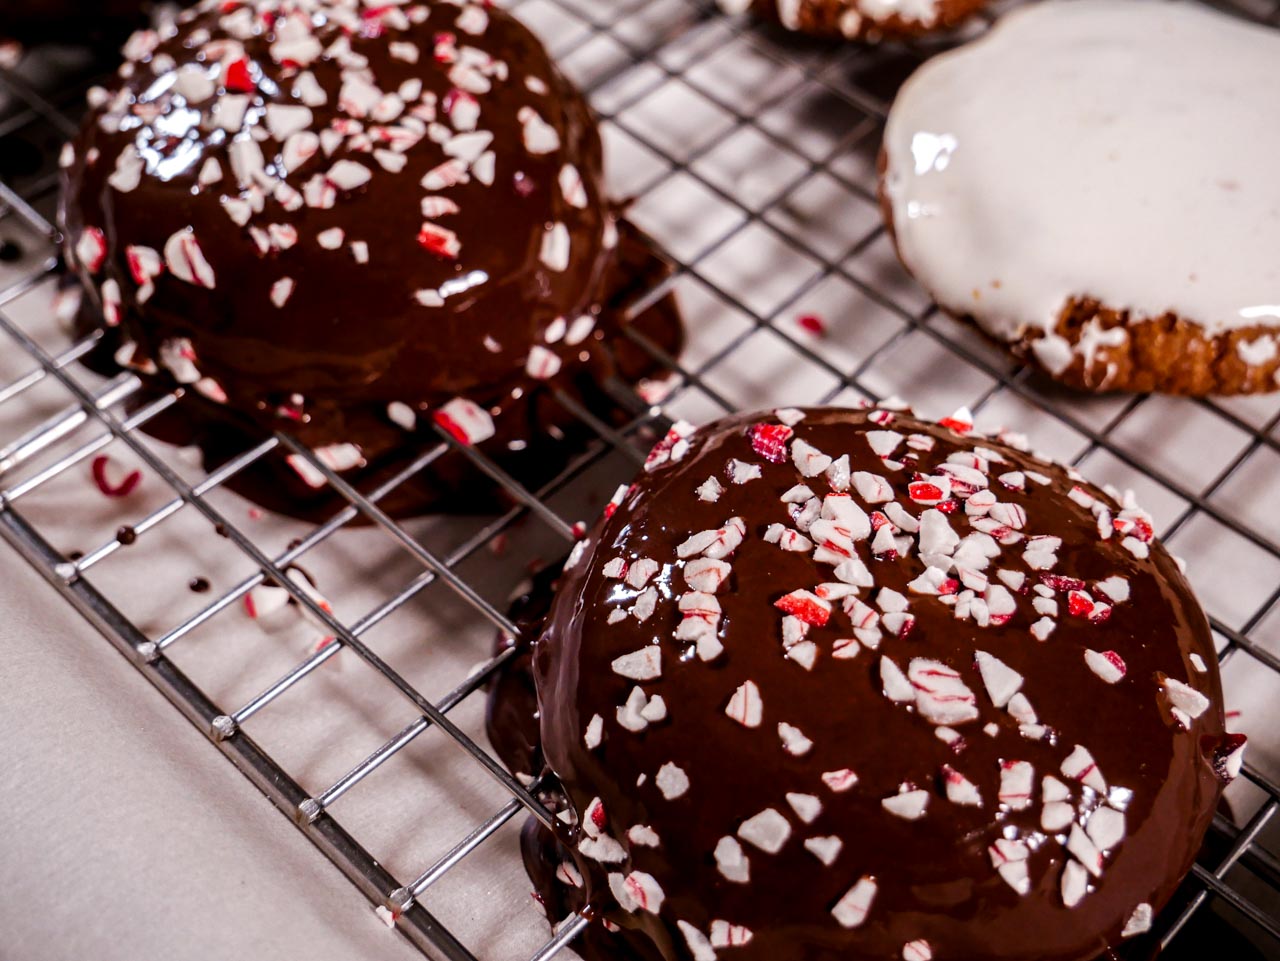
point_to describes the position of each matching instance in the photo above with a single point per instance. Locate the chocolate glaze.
(935, 879)
(503, 286)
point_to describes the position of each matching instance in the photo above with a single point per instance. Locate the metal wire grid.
(623, 53)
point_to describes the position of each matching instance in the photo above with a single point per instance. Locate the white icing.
(1124, 150)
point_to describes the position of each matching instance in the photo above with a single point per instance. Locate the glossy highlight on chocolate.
(833, 684)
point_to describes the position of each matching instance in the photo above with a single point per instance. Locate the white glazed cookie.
(860, 19)
(1094, 184)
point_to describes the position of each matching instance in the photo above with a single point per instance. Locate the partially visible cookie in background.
(870, 20)
(1093, 183)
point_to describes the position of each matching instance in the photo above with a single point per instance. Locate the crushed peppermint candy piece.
(699, 944)
(1184, 697)
(1080, 766)
(710, 490)
(806, 606)
(768, 831)
(727, 935)
(825, 848)
(731, 861)
(1001, 681)
(466, 421)
(1228, 757)
(637, 891)
(909, 803)
(1139, 921)
(745, 706)
(793, 740)
(960, 790)
(642, 665)
(1108, 665)
(806, 806)
(770, 441)
(941, 696)
(840, 781)
(672, 781)
(852, 909)
(1016, 781)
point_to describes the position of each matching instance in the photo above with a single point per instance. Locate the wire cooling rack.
(750, 155)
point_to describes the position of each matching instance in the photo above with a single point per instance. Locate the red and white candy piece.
(806, 606)
(839, 781)
(960, 790)
(641, 572)
(1228, 757)
(1080, 766)
(542, 363)
(91, 249)
(186, 261)
(1084, 850)
(706, 574)
(1016, 781)
(1009, 858)
(918, 950)
(264, 600)
(145, 265)
(637, 891)
(770, 441)
(642, 665)
(852, 909)
(716, 544)
(746, 706)
(111, 479)
(465, 420)
(808, 459)
(1108, 665)
(727, 935)
(941, 696)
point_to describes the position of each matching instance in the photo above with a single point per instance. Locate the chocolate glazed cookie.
(345, 221)
(868, 20)
(837, 684)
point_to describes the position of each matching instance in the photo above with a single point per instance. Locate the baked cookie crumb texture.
(860, 19)
(1093, 184)
(830, 683)
(345, 220)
